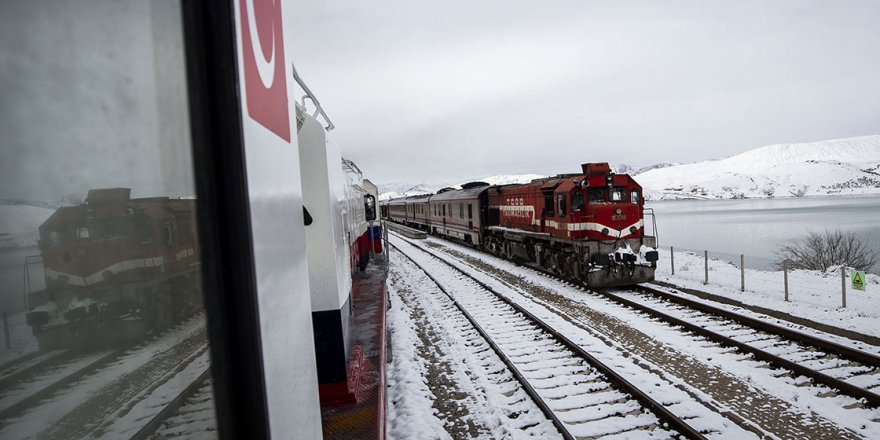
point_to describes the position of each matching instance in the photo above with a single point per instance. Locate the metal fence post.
(742, 272)
(6, 330)
(672, 259)
(785, 277)
(843, 286)
(706, 259)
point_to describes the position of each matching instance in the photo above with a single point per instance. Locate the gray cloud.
(456, 89)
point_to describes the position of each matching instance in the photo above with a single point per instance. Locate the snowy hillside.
(19, 223)
(843, 166)
(396, 190)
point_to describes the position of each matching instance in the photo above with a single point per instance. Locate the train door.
(548, 209)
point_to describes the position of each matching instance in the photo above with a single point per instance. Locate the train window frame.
(560, 205)
(634, 197)
(81, 232)
(53, 239)
(577, 201)
(617, 194)
(223, 218)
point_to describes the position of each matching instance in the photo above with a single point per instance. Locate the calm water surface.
(756, 227)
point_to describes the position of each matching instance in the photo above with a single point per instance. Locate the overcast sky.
(430, 91)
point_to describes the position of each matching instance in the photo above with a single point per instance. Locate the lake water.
(757, 227)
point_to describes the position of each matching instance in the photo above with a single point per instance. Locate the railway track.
(26, 387)
(853, 372)
(180, 415)
(105, 393)
(726, 393)
(578, 393)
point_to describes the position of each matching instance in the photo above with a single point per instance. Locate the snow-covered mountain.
(396, 190)
(842, 166)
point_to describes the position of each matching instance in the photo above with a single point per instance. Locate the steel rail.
(35, 398)
(833, 347)
(527, 387)
(827, 346)
(657, 408)
(156, 422)
(17, 375)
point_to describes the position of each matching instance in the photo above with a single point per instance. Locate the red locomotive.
(588, 226)
(115, 268)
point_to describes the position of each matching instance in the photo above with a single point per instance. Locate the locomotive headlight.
(632, 229)
(618, 211)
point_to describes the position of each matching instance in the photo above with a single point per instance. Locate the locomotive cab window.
(560, 204)
(596, 195)
(634, 197)
(618, 194)
(82, 233)
(577, 201)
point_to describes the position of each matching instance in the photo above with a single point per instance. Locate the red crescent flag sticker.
(264, 78)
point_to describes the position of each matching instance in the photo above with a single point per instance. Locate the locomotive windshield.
(596, 195)
(618, 194)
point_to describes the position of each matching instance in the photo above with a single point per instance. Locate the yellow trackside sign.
(858, 280)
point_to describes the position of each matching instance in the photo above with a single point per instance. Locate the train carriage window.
(577, 201)
(618, 194)
(560, 205)
(596, 195)
(634, 197)
(461, 210)
(470, 210)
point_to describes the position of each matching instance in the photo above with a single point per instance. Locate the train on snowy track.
(588, 226)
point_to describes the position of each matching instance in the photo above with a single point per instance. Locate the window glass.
(577, 201)
(82, 232)
(634, 197)
(596, 195)
(618, 194)
(94, 122)
(560, 204)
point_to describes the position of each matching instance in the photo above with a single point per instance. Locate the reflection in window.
(96, 123)
(618, 194)
(81, 233)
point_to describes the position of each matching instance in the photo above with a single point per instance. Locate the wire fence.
(757, 279)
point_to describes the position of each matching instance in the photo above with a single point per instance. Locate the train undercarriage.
(594, 263)
(87, 317)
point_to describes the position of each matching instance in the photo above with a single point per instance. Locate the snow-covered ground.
(641, 348)
(19, 223)
(813, 295)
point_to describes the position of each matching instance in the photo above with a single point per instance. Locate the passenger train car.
(588, 226)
